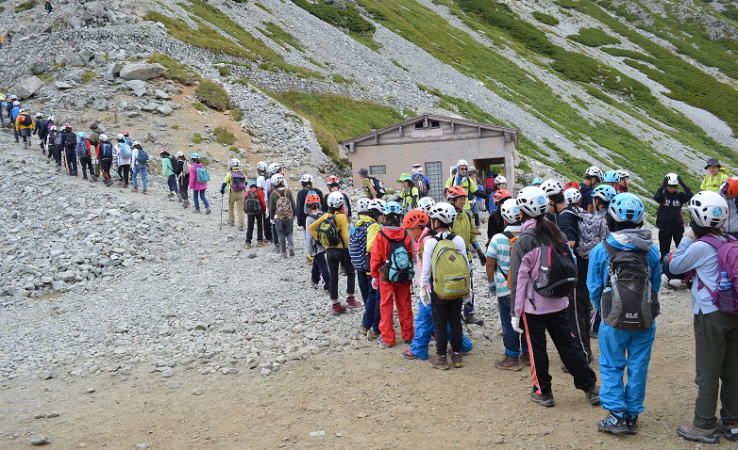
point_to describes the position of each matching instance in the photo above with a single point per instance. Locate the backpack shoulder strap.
(712, 241)
(508, 234)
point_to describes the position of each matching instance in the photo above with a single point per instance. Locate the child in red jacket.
(392, 273)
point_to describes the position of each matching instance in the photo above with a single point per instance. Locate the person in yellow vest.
(716, 176)
(462, 179)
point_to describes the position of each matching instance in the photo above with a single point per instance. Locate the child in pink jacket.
(198, 188)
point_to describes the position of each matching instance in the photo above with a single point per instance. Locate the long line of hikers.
(572, 260)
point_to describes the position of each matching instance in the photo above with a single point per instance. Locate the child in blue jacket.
(621, 348)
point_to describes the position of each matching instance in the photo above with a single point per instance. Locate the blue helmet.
(251, 184)
(80, 135)
(537, 181)
(604, 192)
(194, 155)
(611, 176)
(626, 207)
(393, 207)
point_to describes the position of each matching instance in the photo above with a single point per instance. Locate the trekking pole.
(220, 227)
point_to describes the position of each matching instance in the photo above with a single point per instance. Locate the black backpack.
(557, 273)
(378, 187)
(251, 205)
(26, 120)
(626, 300)
(177, 165)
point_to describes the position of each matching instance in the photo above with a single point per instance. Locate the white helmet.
(51, 118)
(274, 168)
(52, 128)
(177, 155)
(594, 171)
(234, 162)
(120, 136)
(462, 162)
(426, 203)
(307, 178)
(532, 201)
(572, 196)
(623, 173)
(499, 179)
(510, 210)
(672, 179)
(277, 179)
(708, 209)
(104, 138)
(135, 143)
(362, 205)
(261, 166)
(445, 212)
(16, 103)
(39, 115)
(552, 187)
(376, 204)
(335, 200)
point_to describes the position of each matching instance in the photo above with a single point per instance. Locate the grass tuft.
(223, 136)
(175, 70)
(213, 95)
(593, 37)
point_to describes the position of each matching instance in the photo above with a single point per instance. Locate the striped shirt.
(499, 249)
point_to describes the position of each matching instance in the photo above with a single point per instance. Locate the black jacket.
(69, 140)
(568, 222)
(669, 215)
(495, 224)
(300, 204)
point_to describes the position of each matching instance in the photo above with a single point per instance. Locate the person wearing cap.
(716, 176)
(461, 178)
(669, 218)
(94, 137)
(372, 186)
(421, 181)
(410, 193)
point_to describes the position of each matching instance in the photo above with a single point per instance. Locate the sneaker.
(284, 255)
(382, 343)
(352, 302)
(632, 423)
(371, 335)
(240, 228)
(362, 329)
(338, 308)
(509, 363)
(613, 424)
(260, 243)
(145, 192)
(692, 433)
(729, 430)
(407, 354)
(593, 396)
(439, 362)
(291, 251)
(314, 285)
(196, 211)
(471, 319)
(546, 400)
(457, 360)
(247, 246)
(207, 211)
(525, 359)
(134, 190)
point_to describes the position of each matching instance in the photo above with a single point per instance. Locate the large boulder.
(141, 71)
(27, 87)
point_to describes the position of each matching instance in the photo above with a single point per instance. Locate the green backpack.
(451, 274)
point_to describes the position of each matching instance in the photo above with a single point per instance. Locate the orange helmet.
(731, 187)
(500, 195)
(415, 217)
(455, 192)
(331, 180)
(571, 184)
(312, 198)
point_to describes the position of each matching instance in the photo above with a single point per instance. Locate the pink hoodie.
(194, 185)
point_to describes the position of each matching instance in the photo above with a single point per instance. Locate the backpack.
(177, 165)
(557, 272)
(451, 274)
(328, 235)
(81, 149)
(26, 120)
(201, 174)
(626, 301)
(419, 181)
(727, 257)
(125, 151)
(357, 247)
(283, 209)
(399, 264)
(58, 139)
(142, 157)
(592, 230)
(378, 187)
(106, 150)
(238, 181)
(305, 205)
(251, 203)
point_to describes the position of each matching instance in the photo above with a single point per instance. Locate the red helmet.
(332, 180)
(415, 217)
(731, 187)
(500, 195)
(126, 133)
(455, 192)
(312, 198)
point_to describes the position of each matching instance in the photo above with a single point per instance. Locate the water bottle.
(725, 301)
(724, 282)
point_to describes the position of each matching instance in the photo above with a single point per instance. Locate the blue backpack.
(399, 264)
(106, 150)
(202, 175)
(125, 150)
(357, 247)
(81, 148)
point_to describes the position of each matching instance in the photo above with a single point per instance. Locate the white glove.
(689, 234)
(515, 322)
(425, 298)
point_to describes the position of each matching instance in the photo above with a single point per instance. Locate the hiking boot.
(145, 192)
(457, 360)
(134, 189)
(196, 211)
(240, 228)
(593, 396)
(230, 224)
(632, 423)
(207, 210)
(546, 400)
(382, 343)
(729, 430)
(525, 359)
(692, 433)
(362, 329)
(407, 354)
(352, 302)
(509, 363)
(290, 250)
(260, 243)
(439, 362)
(338, 308)
(247, 245)
(613, 424)
(185, 204)
(471, 319)
(371, 335)
(284, 255)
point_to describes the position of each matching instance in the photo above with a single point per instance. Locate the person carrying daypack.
(624, 278)
(331, 230)
(105, 158)
(123, 156)
(198, 183)
(357, 248)
(316, 252)
(68, 143)
(53, 145)
(82, 149)
(235, 183)
(25, 125)
(391, 267)
(282, 212)
(182, 169)
(167, 171)
(371, 316)
(372, 185)
(301, 207)
(421, 181)
(254, 206)
(712, 256)
(542, 277)
(140, 160)
(410, 194)
(496, 223)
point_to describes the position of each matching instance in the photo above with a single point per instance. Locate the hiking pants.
(199, 193)
(126, 169)
(336, 256)
(57, 156)
(372, 315)
(235, 200)
(395, 294)
(579, 310)
(267, 227)
(172, 183)
(364, 281)
(319, 270)
(716, 347)
(140, 170)
(469, 305)
(557, 325)
(184, 184)
(621, 350)
(511, 339)
(424, 329)
(16, 134)
(665, 238)
(86, 162)
(71, 162)
(446, 313)
(284, 233)
(259, 219)
(105, 164)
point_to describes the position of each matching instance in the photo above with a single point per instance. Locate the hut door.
(434, 172)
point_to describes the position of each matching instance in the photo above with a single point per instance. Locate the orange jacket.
(381, 248)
